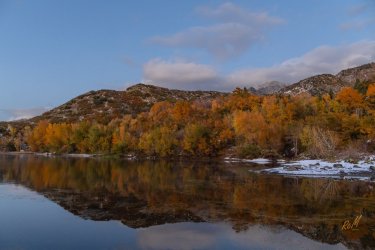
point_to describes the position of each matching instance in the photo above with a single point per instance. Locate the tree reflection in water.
(146, 193)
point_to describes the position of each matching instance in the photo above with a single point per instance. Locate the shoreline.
(363, 169)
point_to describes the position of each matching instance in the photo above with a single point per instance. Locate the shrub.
(318, 142)
(249, 151)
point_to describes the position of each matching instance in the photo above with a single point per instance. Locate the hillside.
(327, 83)
(105, 105)
(241, 124)
(314, 85)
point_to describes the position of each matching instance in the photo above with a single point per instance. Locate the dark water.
(60, 203)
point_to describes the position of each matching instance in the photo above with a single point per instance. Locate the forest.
(240, 124)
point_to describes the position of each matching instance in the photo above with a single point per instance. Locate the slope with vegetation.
(105, 105)
(240, 123)
(158, 122)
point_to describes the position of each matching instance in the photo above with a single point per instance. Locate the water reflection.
(30, 221)
(151, 194)
(220, 236)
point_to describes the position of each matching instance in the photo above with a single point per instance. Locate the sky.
(52, 51)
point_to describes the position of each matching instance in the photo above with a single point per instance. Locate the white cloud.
(357, 24)
(180, 74)
(18, 114)
(324, 59)
(360, 17)
(321, 60)
(236, 31)
(222, 40)
(228, 12)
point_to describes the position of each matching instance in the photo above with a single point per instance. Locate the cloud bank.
(323, 59)
(180, 74)
(18, 114)
(235, 32)
(361, 16)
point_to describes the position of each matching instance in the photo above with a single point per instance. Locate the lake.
(84, 203)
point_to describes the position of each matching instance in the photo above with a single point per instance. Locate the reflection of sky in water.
(28, 220)
(222, 236)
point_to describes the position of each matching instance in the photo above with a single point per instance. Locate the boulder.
(337, 165)
(293, 168)
(314, 165)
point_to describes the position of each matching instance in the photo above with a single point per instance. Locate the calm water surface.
(61, 203)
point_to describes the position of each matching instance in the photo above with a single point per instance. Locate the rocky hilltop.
(314, 85)
(105, 105)
(327, 83)
(363, 73)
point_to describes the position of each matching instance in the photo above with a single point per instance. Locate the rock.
(293, 168)
(372, 168)
(337, 165)
(314, 165)
(353, 161)
(356, 166)
(368, 161)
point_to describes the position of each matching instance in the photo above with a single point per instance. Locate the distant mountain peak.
(269, 88)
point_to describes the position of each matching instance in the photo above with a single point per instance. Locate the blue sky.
(52, 51)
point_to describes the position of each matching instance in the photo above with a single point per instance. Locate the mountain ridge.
(105, 105)
(328, 83)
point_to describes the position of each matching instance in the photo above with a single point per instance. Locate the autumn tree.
(370, 98)
(99, 139)
(79, 137)
(160, 141)
(197, 139)
(350, 100)
(250, 127)
(36, 139)
(254, 125)
(58, 137)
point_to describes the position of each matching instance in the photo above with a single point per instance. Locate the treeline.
(240, 124)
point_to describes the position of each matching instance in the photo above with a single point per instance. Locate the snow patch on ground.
(65, 155)
(258, 160)
(321, 168)
(79, 155)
